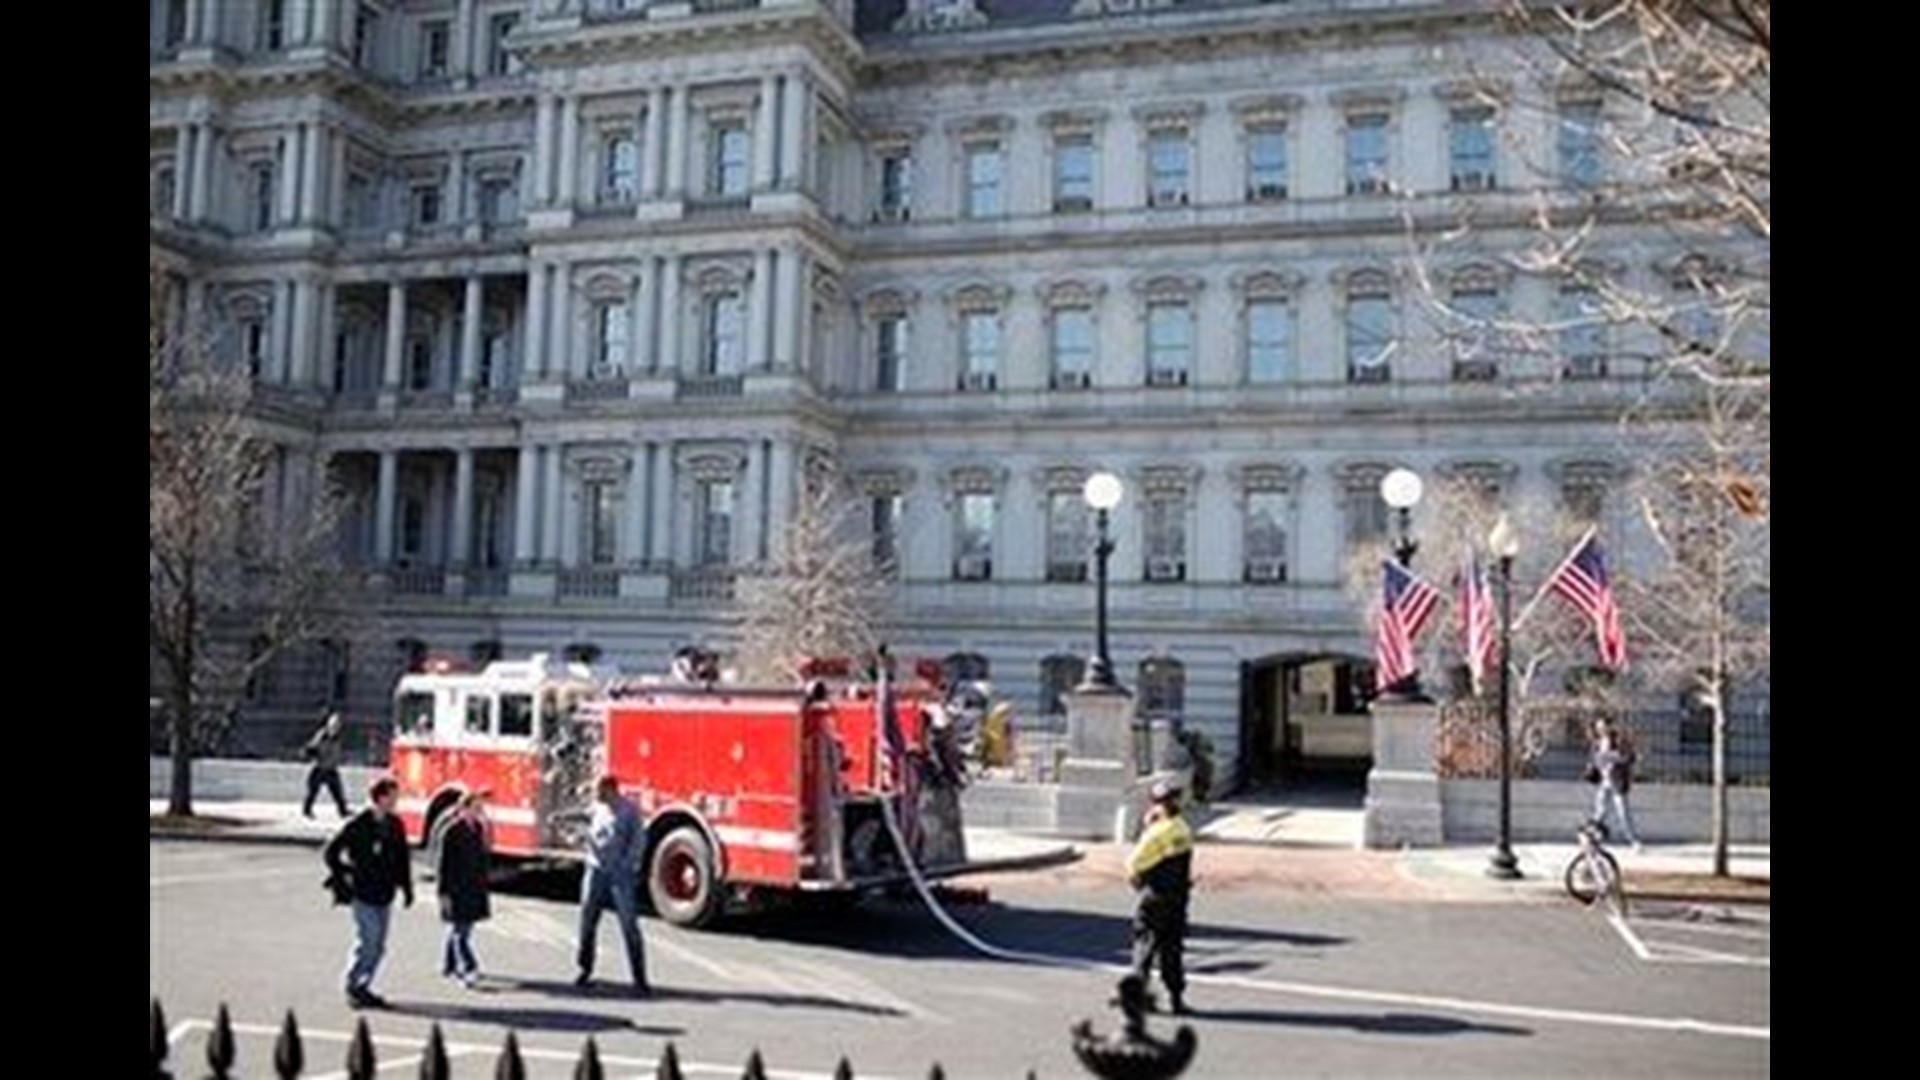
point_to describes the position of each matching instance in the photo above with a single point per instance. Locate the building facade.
(570, 295)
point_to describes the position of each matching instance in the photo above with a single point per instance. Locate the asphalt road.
(1285, 984)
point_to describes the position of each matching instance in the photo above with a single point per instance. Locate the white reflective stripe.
(767, 839)
(502, 815)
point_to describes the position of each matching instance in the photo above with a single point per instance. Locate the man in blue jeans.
(615, 839)
(367, 864)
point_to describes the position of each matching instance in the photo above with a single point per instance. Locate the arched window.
(1163, 687)
(1059, 673)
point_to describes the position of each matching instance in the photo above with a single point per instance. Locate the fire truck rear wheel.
(681, 879)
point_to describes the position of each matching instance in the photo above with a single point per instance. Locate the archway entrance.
(1304, 722)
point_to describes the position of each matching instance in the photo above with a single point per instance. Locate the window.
(434, 38)
(1267, 163)
(253, 345)
(884, 516)
(725, 332)
(1163, 522)
(363, 201)
(496, 358)
(1067, 543)
(1073, 173)
(1169, 344)
(619, 167)
(730, 148)
(1269, 341)
(500, 59)
(516, 716)
(499, 200)
(419, 363)
(273, 25)
(1579, 143)
(889, 353)
(1476, 310)
(896, 185)
(412, 713)
(1583, 495)
(160, 193)
(1583, 333)
(1059, 674)
(1365, 512)
(426, 205)
(974, 561)
(1470, 149)
(983, 180)
(981, 343)
(260, 196)
(1370, 343)
(613, 327)
(1367, 154)
(1072, 348)
(1266, 538)
(479, 714)
(1163, 688)
(366, 26)
(174, 33)
(1168, 158)
(413, 531)
(601, 500)
(713, 542)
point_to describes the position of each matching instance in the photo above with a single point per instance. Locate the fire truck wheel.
(681, 879)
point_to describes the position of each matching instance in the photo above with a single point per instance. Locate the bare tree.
(234, 578)
(824, 596)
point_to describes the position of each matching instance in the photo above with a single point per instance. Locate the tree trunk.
(1720, 860)
(180, 733)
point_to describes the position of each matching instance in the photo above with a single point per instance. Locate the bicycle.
(1593, 874)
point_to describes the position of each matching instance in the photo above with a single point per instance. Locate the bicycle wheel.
(1592, 875)
(1614, 887)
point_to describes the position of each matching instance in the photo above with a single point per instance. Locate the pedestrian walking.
(462, 882)
(1610, 770)
(615, 837)
(367, 866)
(324, 750)
(1160, 869)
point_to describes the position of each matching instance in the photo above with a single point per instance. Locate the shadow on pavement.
(668, 995)
(1367, 1023)
(522, 1018)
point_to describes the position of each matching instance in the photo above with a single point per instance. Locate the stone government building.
(571, 293)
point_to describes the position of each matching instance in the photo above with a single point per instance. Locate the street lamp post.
(1401, 490)
(1103, 492)
(1504, 542)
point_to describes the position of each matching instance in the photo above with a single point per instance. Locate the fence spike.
(510, 1066)
(220, 1047)
(157, 1040)
(589, 1067)
(756, 1068)
(289, 1057)
(936, 1073)
(669, 1068)
(844, 1070)
(433, 1061)
(362, 1062)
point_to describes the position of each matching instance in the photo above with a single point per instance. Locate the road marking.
(231, 875)
(528, 1052)
(848, 987)
(1667, 952)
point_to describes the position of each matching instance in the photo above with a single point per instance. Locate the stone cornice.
(569, 44)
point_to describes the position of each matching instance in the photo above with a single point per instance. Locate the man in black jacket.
(367, 864)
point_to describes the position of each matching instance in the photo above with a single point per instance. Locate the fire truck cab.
(744, 790)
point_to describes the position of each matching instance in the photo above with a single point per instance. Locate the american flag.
(1406, 604)
(1582, 580)
(1476, 619)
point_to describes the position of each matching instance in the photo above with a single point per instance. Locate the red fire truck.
(743, 789)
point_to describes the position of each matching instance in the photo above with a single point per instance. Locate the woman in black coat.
(464, 863)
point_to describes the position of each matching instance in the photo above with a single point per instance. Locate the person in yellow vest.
(1160, 869)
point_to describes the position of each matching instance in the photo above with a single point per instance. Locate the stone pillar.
(202, 173)
(183, 179)
(310, 204)
(786, 482)
(383, 509)
(335, 207)
(456, 188)
(646, 352)
(396, 335)
(524, 502)
(1098, 777)
(555, 506)
(1403, 790)
(463, 35)
(319, 373)
(675, 159)
(650, 148)
(542, 193)
(670, 316)
(660, 542)
(764, 139)
(534, 364)
(460, 550)
(759, 313)
(300, 344)
(786, 310)
(569, 179)
(468, 360)
(751, 530)
(633, 532)
(289, 207)
(794, 152)
(279, 356)
(560, 324)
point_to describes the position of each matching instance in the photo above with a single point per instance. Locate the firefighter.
(1161, 870)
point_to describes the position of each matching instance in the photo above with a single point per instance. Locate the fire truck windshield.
(413, 714)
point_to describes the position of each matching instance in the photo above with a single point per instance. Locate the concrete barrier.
(1550, 810)
(216, 780)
